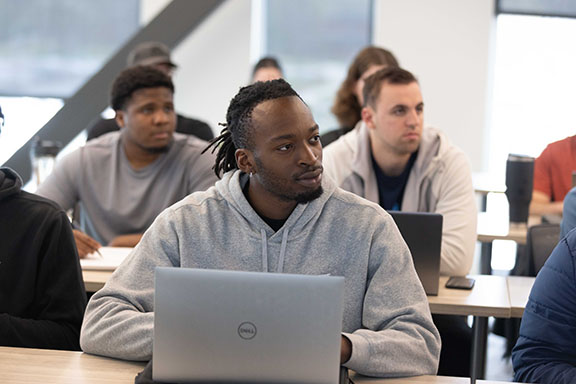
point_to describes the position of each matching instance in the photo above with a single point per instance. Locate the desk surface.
(497, 227)
(485, 182)
(95, 280)
(413, 380)
(32, 366)
(519, 288)
(489, 297)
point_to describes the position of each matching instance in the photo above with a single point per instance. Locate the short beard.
(307, 197)
(300, 198)
(157, 150)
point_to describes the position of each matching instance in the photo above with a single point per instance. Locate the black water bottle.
(519, 185)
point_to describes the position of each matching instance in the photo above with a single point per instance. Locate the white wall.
(447, 44)
(213, 62)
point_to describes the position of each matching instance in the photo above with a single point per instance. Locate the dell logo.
(247, 330)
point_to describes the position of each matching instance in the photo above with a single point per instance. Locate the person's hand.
(85, 244)
(125, 240)
(345, 350)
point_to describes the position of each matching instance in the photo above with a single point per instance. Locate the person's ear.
(119, 118)
(368, 114)
(245, 160)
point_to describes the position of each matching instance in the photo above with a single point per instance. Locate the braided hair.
(238, 127)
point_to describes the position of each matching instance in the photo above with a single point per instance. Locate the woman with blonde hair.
(349, 100)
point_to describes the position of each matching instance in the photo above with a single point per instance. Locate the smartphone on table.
(460, 282)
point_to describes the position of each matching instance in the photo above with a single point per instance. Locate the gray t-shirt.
(115, 199)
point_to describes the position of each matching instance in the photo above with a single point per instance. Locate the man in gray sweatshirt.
(272, 211)
(118, 184)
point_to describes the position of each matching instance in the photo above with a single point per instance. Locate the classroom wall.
(213, 62)
(447, 44)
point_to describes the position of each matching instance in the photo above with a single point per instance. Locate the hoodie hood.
(10, 183)
(350, 162)
(303, 216)
(434, 146)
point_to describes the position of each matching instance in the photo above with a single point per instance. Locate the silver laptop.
(422, 232)
(246, 327)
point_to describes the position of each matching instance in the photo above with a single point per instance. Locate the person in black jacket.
(156, 55)
(42, 296)
(545, 351)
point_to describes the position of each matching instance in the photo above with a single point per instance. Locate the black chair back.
(540, 242)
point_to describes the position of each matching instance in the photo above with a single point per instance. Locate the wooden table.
(95, 280)
(44, 366)
(485, 183)
(519, 288)
(492, 226)
(495, 226)
(489, 297)
(412, 380)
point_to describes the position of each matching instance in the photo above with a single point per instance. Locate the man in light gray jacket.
(390, 159)
(273, 211)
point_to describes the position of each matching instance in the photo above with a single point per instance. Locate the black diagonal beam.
(170, 27)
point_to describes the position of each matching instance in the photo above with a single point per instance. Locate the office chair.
(540, 242)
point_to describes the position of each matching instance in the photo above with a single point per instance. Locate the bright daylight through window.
(47, 57)
(534, 82)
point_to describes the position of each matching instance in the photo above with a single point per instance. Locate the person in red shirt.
(553, 176)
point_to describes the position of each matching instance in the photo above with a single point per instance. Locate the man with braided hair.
(272, 211)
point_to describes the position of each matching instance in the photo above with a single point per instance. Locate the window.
(49, 49)
(315, 42)
(564, 8)
(534, 82)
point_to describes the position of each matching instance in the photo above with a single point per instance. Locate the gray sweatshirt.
(115, 199)
(386, 313)
(440, 181)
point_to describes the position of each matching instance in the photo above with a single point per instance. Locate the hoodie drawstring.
(265, 251)
(282, 251)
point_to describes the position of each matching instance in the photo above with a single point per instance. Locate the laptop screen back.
(229, 326)
(422, 232)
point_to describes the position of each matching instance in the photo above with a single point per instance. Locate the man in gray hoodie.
(272, 211)
(391, 159)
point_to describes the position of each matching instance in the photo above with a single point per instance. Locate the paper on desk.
(111, 258)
